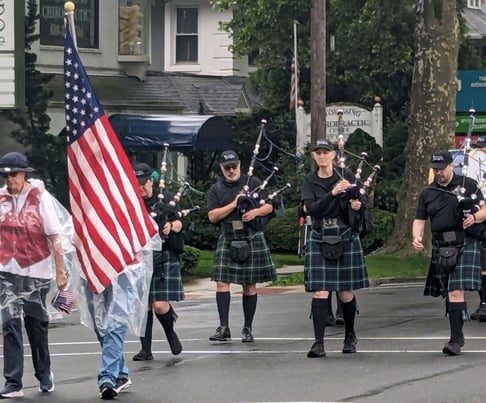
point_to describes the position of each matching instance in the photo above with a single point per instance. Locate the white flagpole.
(296, 70)
(69, 11)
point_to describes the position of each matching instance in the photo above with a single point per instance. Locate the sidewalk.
(196, 288)
(205, 288)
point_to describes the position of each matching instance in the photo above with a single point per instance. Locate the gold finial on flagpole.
(69, 7)
(69, 11)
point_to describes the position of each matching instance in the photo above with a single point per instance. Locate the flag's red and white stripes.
(110, 220)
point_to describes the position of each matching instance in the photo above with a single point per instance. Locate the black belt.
(448, 236)
(320, 223)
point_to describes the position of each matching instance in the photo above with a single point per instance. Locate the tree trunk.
(318, 69)
(432, 107)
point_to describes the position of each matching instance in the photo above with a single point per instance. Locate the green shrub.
(189, 259)
(383, 227)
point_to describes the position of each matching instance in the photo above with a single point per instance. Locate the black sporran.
(447, 258)
(240, 251)
(332, 246)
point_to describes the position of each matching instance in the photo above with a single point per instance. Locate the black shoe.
(482, 312)
(222, 334)
(122, 383)
(107, 391)
(339, 320)
(246, 336)
(331, 320)
(475, 314)
(317, 350)
(143, 356)
(452, 348)
(174, 343)
(350, 341)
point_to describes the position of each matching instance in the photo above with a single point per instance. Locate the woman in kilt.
(334, 259)
(242, 254)
(448, 202)
(166, 283)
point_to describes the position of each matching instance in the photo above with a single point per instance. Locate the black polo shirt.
(440, 203)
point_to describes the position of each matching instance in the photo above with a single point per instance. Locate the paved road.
(399, 359)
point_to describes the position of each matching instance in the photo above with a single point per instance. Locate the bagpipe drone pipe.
(257, 196)
(167, 208)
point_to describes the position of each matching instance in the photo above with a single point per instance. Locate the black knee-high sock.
(223, 299)
(319, 308)
(482, 293)
(167, 321)
(456, 320)
(349, 313)
(147, 339)
(249, 308)
(329, 304)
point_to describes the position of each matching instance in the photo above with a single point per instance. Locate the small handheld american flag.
(63, 301)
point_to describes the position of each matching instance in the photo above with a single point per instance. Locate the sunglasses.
(11, 174)
(230, 167)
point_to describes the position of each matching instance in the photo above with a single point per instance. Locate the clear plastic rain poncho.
(124, 302)
(33, 225)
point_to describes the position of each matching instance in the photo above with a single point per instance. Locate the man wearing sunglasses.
(454, 206)
(30, 248)
(242, 254)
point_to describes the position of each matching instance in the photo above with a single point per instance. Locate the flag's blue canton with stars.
(82, 105)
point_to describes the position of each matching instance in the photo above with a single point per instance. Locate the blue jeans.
(110, 313)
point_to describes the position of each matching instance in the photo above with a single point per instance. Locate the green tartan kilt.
(166, 283)
(466, 275)
(258, 268)
(344, 274)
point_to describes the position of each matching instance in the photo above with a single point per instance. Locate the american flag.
(63, 301)
(110, 220)
(293, 85)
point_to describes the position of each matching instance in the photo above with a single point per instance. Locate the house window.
(133, 27)
(474, 4)
(51, 13)
(186, 35)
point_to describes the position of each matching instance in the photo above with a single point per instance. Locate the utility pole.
(318, 69)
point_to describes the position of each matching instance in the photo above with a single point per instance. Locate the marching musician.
(242, 254)
(477, 171)
(166, 283)
(455, 264)
(334, 260)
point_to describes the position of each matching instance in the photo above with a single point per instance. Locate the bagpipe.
(166, 208)
(357, 190)
(468, 204)
(254, 198)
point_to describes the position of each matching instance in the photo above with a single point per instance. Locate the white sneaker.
(48, 388)
(7, 392)
(122, 384)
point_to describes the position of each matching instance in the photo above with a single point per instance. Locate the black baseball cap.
(228, 157)
(440, 159)
(480, 142)
(143, 172)
(322, 144)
